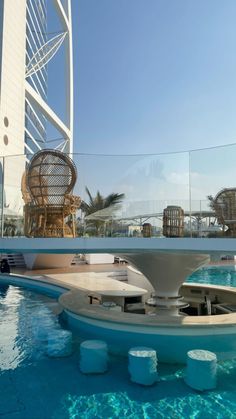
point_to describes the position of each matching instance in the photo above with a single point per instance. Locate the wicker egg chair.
(49, 181)
(224, 205)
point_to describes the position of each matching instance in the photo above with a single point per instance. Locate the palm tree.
(99, 203)
(211, 203)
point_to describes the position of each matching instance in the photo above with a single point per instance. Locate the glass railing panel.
(201, 221)
(211, 171)
(13, 224)
(149, 184)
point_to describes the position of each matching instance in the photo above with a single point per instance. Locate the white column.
(167, 272)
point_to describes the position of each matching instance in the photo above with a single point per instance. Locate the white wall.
(12, 100)
(97, 258)
(12, 96)
(47, 261)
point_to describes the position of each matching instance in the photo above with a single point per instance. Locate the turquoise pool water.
(215, 275)
(34, 386)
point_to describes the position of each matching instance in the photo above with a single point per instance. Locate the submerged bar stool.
(201, 369)
(93, 357)
(143, 365)
(59, 343)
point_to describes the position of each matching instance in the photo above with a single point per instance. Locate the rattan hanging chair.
(49, 181)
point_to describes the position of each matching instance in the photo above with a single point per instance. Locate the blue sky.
(153, 76)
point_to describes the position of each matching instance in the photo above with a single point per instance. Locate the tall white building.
(27, 50)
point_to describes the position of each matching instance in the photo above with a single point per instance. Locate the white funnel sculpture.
(167, 272)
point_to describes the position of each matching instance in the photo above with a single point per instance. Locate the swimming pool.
(215, 275)
(34, 386)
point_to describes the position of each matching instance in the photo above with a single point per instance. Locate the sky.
(153, 76)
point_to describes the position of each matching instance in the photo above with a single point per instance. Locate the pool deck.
(95, 279)
(82, 280)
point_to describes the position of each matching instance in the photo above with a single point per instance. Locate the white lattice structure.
(41, 47)
(27, 49)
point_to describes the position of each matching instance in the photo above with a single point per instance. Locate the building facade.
(27, 49)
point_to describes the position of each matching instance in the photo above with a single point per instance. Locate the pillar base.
(167, 305)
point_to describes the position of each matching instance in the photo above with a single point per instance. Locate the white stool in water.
(93, 356)
(143, 365)
(59, 343)
(201, 369)
(43, 323)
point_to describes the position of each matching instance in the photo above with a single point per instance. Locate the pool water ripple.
(215, 275)
(34, 386)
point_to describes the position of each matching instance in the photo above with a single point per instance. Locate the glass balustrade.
(162, 195)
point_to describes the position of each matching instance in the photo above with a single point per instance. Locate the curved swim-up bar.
(171, 336)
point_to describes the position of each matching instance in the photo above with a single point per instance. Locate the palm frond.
(113, 198)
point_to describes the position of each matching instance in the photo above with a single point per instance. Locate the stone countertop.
(100, 283)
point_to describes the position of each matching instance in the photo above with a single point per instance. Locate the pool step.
(14, 259)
